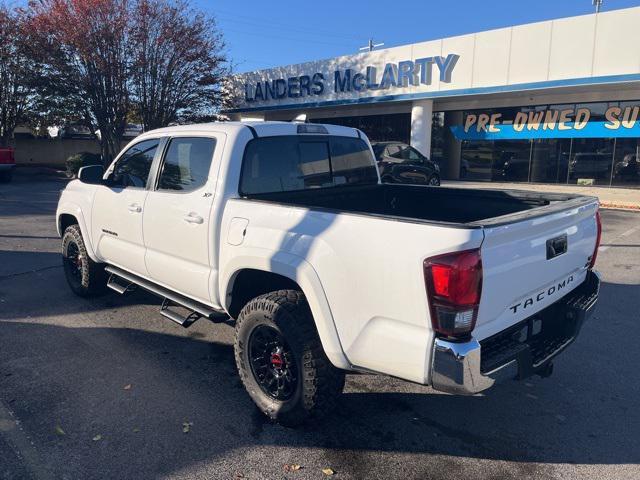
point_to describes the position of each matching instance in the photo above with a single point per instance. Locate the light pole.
(597, 4)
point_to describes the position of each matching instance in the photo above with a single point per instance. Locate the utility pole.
(597, 4)
(372, 45)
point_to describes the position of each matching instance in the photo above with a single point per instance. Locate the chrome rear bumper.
(457, 367)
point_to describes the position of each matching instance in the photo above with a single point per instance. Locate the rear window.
(285, 163)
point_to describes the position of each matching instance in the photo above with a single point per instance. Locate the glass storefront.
(533, 144)
(599, 161)
(394, 127)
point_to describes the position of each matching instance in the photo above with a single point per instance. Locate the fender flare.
(73, 209)
(300, 271)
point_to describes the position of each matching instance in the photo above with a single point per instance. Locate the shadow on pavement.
(586, 413)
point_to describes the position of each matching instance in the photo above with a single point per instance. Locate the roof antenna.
(372, 45)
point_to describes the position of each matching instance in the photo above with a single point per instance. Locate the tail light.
(592, 262)
(454, 286)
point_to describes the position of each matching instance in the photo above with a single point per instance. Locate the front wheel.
(434, 181)
(281, 361)
(85, 277)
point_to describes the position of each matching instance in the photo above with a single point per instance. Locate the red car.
(7, 164)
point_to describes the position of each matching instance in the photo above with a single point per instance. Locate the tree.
(16, 75)
(178, 63)
(92, 53)
(157, 60)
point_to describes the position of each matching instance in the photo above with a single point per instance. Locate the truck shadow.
(586, 413)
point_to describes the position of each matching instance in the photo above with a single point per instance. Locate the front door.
(177, 226)
(116, 226)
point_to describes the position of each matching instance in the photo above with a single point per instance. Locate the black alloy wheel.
(272, 363)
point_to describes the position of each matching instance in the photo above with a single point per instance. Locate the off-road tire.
(319, 383)
(91, 277)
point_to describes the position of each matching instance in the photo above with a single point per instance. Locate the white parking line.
(631, 231)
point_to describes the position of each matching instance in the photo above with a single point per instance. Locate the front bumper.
(470, 367)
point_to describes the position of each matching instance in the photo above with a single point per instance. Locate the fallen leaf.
(294, 467)
(239, 475)
(127, 386)
(186, 427)
(59, 430)
(97, 438)
(136, 430)
(328, 472)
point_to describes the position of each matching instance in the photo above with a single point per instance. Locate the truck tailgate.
(525, 267)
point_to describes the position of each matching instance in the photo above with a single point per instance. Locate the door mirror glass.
(91, 174)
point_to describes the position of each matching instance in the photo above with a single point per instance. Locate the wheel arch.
(71, 214)
(282, 271)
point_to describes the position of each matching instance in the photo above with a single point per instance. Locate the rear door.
(177, 224)
(532, 263)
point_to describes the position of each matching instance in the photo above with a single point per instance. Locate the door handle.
(193, 218)
(135, 208)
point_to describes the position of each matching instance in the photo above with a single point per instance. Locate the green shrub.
(82, 159)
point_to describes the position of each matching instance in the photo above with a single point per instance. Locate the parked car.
(7, 164)
(628, 169)
(132, 130)
(590, 165)
(75, 130)
(401, 163)
(287, 229)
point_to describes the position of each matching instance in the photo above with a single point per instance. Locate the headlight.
(437, 167)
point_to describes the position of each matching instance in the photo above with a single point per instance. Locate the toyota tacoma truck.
(286, 229)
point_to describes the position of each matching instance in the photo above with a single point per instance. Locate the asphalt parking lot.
(106, 388)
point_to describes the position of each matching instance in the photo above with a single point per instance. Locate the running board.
(119, 278)
(113, 284)
(185, 321)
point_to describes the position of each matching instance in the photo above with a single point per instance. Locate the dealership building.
(550, 102)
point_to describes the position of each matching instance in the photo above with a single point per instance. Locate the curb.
(618, 206)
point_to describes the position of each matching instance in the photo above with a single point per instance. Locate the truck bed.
(472, 207)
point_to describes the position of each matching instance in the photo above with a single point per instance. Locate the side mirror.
(91, 174)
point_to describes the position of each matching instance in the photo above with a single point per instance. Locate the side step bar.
(122, 282)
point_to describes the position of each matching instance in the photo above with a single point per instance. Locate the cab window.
(133, 167)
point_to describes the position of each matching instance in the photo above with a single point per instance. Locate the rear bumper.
(470, 367)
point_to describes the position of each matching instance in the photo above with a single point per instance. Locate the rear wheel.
(281, 361)
(85, 277)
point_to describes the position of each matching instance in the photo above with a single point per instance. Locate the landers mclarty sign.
(393, 75)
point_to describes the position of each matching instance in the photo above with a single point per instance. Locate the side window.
(411, 154)
(186, 164)
(393, 151)
(132, 169)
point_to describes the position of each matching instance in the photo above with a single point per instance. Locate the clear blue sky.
(266, 33)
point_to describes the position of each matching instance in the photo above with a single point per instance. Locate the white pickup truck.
(286, 228)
